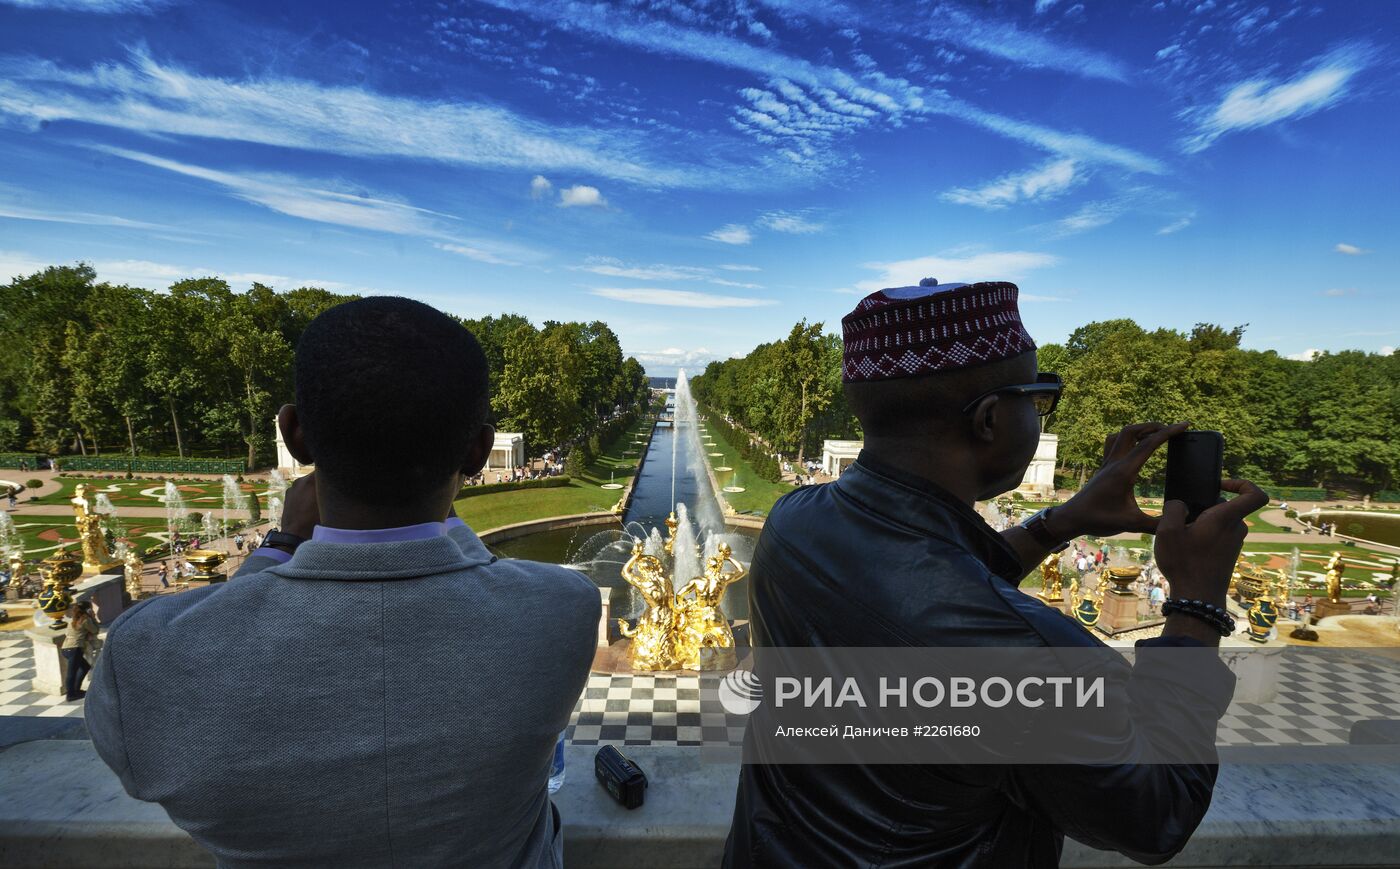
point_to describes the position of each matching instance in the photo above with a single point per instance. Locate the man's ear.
(292, 436)
(480, 450)
(984, 419)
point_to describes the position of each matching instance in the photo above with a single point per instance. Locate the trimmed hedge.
(12, 460)
(151, 465)
(492, 488)
(1295, 493)
(758, 458)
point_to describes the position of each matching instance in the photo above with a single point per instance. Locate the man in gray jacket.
(373, 688)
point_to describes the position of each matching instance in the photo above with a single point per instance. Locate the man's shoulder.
(553, 580)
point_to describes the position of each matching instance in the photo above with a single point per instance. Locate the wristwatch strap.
(1036, 528)
(283, 540)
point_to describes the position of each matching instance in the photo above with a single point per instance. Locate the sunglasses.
(1045, 393)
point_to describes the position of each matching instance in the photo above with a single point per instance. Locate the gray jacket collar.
(458, 549)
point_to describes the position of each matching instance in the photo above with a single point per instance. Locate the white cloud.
(149, 97)
(1045, 181)
(96, 7)
(540, 187)
(19, 212)
(14, 264)
(732, 267)
(733, 233)
(581, 196)
(1177, 225)
(990, 266)
(479, 254)
(725, 283)
(791, 223)
(316, 200)
(1261, 102)
(868, 94)
(1044, 5)
(1387, 350)
(697, 358)
(1091, 215)
(678, 298)
(1306, 355)
(1338, 292)
(616, 269)
(1349, 249)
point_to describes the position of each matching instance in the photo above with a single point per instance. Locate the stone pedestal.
(1324, 608)
(1256, 671)
(1119, 611)
(50, 667)
(606, 618)
(107, 591)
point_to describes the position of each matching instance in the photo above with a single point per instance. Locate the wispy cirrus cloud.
(335, 203)
(956, 266)
(1178, 225)
(1090, 215)
(146, 96)
(615, 268)
(790, 223)
(95, 7)
(1349, 249)
(869, 94)
(1260, 102)
(1046, 181)
(678, 298)
(732, 233)
(19, 212)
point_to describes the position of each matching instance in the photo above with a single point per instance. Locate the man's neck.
(945, 468)
(338, 511)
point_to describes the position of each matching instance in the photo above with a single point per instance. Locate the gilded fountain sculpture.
(683, 629)
(97, 558)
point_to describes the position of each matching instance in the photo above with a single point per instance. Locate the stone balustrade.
(62, 807)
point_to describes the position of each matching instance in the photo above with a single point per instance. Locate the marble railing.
(62, 807)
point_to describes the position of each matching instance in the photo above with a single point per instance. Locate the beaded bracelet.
(1209, 613)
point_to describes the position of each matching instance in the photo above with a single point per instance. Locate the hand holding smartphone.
(1195, 463)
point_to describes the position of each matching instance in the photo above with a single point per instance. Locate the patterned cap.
(912, 331)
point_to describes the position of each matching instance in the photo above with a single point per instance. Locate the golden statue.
(671, 525)
(17, 568)
(134, 568)
(1283, 587)
(701, 623)
(96, 556)
(1051, 580)
(1335, 568)
(653, 640)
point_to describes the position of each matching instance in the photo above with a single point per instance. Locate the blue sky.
(700, 175)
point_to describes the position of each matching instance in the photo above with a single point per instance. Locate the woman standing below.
(82, 630)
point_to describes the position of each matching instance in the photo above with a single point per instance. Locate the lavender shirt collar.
(422, 531)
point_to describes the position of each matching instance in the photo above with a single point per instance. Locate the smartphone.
(1195, 462)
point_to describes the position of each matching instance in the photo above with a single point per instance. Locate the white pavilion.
(1039, 481)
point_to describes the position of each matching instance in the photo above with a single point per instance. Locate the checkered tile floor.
(1321, 695)
(661, 709)
(17, 695)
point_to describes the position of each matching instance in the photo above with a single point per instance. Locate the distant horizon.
(700, 175)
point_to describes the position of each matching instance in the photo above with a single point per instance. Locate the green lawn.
(759, 494)
(127, 493)
(584, 495)
(42, 535)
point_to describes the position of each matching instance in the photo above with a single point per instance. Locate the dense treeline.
(787, 392)
(93, 368)
(1329, 422)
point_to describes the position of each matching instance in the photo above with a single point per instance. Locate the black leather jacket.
(881, 558)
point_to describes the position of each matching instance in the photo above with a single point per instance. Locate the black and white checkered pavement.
(1321, 694)
(17, 694)
(652, 709)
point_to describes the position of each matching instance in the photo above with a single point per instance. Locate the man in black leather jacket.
(893, 554)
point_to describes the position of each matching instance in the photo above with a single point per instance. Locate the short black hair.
(390, 394)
